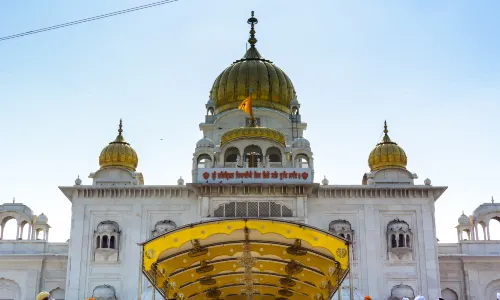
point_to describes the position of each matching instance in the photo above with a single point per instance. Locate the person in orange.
(368, 298)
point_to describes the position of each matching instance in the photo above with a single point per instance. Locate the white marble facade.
(389, 217)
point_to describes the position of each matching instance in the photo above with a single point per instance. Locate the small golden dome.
(271, 86)
(252, 133)
(119, 154)
(387, 154)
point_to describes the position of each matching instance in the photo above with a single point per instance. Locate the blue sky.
(430, 68)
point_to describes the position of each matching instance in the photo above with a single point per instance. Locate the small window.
(98, 242)
(394, 243)
(104, 241)
(112, 242)
(401, 242)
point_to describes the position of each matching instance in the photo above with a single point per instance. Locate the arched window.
(204, 161)
(232, 158)
(401, 242)
(449, 294)
(301, 161)
(402, 290)
(25, 228)
(341, 228)
(273, 158)
(10, 289)
(104, 292)
(394, 243)
(163, 226)
(399, 236)
(252, 209)
(107, 241)
(57, 294)
(38, 231)
(104, 241)
(253, 156)
(9, 228)
(495, 229)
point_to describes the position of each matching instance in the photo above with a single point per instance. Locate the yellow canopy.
(224, 259)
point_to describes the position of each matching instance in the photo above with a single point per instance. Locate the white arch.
(11, 289)
(494, 228)
(492, 289)
(449, 294)
(57, 294)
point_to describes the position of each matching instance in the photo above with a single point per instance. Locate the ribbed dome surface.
(270, 86)
(119, 154)
(387, 154)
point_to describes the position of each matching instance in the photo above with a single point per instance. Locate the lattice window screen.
(262, 209)
(253, 209)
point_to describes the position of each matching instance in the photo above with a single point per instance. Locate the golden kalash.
(245, 259)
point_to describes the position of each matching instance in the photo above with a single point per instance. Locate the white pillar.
(488, 230)
(18, 227)
(484, 233)
(22, 231)
(459, 235)
(1, 232)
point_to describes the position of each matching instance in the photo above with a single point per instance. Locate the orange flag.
(246, 105)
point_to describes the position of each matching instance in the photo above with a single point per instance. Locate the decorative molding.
(207, 190)
(365, 191)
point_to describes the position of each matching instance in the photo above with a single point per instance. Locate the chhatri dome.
(271, 86)
(119, 153)
(387, 154)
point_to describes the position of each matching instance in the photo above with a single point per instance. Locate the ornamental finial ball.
(427, 181)
(325, 181)
(180, 181)
(78, 181)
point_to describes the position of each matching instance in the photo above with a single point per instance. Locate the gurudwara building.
(253, 223)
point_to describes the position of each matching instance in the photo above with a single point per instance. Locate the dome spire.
(252, 21)
(386, 139)
(119, 153)
(119, 138)
(252, 53)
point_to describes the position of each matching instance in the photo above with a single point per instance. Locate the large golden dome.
(271, 86)
(119, 154)
(387, 154)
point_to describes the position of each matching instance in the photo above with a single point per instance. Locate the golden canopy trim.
(246, 256)
(253, 133)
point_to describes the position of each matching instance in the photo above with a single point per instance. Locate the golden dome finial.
(119, 153)
(120, 130)
(387, 154)
(386, 138)
(252, 21)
